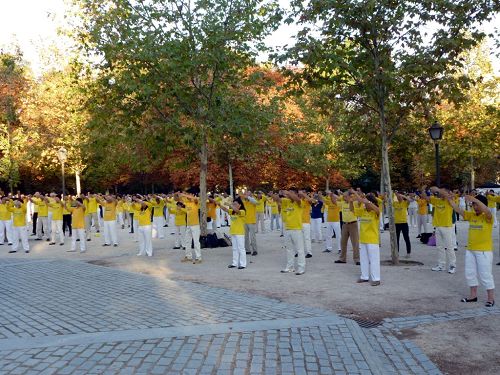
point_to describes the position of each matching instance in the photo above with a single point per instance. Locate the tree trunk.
(78, 184)
(327, 185)
(472, 174)
(388, 189)
(231, 182)
(203, 184)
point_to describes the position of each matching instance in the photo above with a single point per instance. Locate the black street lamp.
(436, 133)
(62, 155)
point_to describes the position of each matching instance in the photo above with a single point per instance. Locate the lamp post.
(436, 133)
(62, 154)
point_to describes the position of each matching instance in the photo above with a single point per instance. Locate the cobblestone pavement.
(71, 317)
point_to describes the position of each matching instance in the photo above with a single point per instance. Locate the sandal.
(490, 304)
(468, 300)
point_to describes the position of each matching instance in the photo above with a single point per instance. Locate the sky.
(33, 25)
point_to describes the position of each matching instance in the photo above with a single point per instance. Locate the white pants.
(78, 233)
(210, 224)
(275, 221)
(49, 225)
(218, 218)
(296, 240)
(369, 257)
(479, 263)
(444, 244)
(180, 233)
(260, 219)
(57, 230)
(42, 222)
(110, 232)
(20, 233)
(332, 227)
(454, 237)
(316, 233)
(136, 230)
(412, 217)
(239, 254)
(6, 225)
(119, 218)
(145, 243)
(493, 211)
(381, 220)
(192, 233)
(94, 219)
(306, 233)
(421, 224)
(158, 223)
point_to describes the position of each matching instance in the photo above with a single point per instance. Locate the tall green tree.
(178, 60)
(387, 56)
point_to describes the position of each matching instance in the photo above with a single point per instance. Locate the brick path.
(71, 317)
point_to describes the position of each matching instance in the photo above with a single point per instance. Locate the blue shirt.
(316, 210)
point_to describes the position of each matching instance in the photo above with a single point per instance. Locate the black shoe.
(419, 236)
(498, 264)
(97, 231)
(12, 251)
(177, 247)
(253, 254)
(166, 225)
(282, 235)
(241, 268)
(339, 261)
(309, 256)
(48, 239)
(296, 255)
(106, 244)
(327, 251)
(489, 304)
(231, 266)
(10, 244)
(27, 251)
(115, 245)
(468, 300)
(88, 239)
(248, 252)
(77, 240)
(358, 263)
(456, 249)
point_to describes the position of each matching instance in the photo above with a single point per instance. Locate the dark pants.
(403, 227)
(35, 217)
(67, 224)
(132, 222)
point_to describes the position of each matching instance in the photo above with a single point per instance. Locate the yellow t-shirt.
(144, 217)
(211, 210)
(57, 210)
(18, 215)
(43, 209)
(480, 232)
(368, 225)
(109, 209)
(119, 206)
(274, 207)
(400, 212)
(422, 206)
(251, 212)
(92, 205)
(193, 218)
(333, 211)
(293, 214)
(347, 215)
(306, 212)
(492, 200)
(260, 204)
(237, 223)
(5, 214)
(180, 216)
(442, 212)
(77, 217)
(158, 207)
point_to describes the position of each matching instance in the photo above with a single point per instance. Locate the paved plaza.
(66, 313)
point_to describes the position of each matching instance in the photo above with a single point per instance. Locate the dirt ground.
(405, 291)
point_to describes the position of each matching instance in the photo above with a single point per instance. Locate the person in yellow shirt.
(77, 210)
(192, 229)
(92, 212)
(211, 213)
(368, 213)
(275, 214)
(5, 220)
(42, 223)
(423, 214)
(176, 208)
(349, 229)
(19, 232)
(250, 205)
(108, 203)
(157, 203)
(492, 205)
(307, 201)
(57, 220)
(237, 232)
(142, 212)
(442, 221)
(120, 212)
(400, 205)
(479, 253)
(332, 223)
(260, 209)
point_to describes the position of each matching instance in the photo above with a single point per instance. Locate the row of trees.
(170, 93)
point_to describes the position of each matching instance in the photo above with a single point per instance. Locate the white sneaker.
(452, 269)
(437, 268)
(291, 270)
